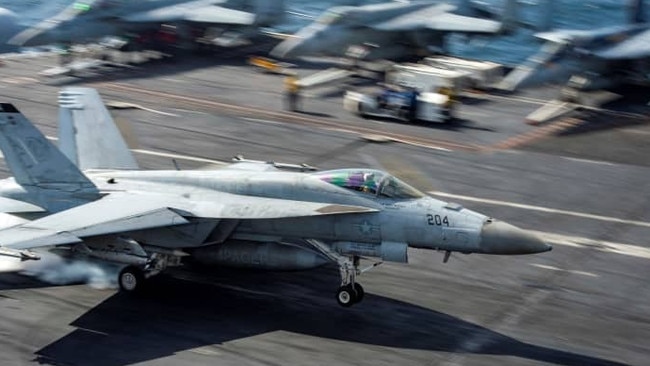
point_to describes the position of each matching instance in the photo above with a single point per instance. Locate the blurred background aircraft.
(9, 26)
(597, 58)
(391, 30)
(224, 21)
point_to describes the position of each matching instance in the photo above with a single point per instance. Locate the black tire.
(131, 279)
(361, 110)
(360, 292)
(346, 296)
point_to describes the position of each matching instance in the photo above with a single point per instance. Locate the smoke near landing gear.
(57, 270)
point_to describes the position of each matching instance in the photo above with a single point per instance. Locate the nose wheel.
(349, 295)
(350, 292)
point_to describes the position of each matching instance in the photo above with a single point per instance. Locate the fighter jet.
(90, 20)
(598, 58)
(393, 30)
(90, 199)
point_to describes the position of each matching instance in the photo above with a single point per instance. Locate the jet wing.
(123, 212)
(635, 47)
(212, 14)
(462, 24)
(439, 18)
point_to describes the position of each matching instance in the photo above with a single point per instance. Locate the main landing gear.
(133, 278)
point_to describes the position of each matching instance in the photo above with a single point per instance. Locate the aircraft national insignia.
(366, 227)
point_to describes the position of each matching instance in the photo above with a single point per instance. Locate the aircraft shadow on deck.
(178, 315)
(456, 124)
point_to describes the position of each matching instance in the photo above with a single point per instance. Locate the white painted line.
(544, 266)
(541, 209)
(636, 131)
(188, 111)
(267, 121)
(165, 155)
(157, 111)
(588, 161)
(600, 245)
(413, 143)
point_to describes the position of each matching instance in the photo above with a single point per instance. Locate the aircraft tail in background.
(547, 14)
(510, 16)
(637, 12)
(267, 12)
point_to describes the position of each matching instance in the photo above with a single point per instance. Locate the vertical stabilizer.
(32, 159)
(267, 12)
(509, 20)
(546, 15)
(465, 7)
(637, 12)
(87, 134)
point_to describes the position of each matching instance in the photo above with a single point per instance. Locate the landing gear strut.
(350, 292)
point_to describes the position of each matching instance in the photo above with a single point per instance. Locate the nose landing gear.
(350, 294)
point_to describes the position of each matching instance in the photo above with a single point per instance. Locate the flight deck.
(580, 182)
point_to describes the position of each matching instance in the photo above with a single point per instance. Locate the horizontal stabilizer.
(114, 214)
(186, 12)
(8, 205)
(439, 18)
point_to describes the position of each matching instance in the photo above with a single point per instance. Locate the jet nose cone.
(498, 237)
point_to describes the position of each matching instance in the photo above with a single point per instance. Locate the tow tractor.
(406, 105)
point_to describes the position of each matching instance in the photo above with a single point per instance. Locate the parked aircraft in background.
(9, 26)
(90, 20)
(247, 214)
(392, 30)
(598, 58)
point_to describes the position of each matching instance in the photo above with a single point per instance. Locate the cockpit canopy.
(370, 181)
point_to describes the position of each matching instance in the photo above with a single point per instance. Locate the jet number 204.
(437, 220)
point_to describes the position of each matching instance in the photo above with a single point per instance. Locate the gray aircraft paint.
(246, 214)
